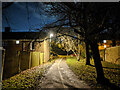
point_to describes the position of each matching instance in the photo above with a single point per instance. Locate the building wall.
(39, 47)
(11, 61)
(26, 46)
(17, 59)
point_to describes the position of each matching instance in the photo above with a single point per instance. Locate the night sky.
(16, 16)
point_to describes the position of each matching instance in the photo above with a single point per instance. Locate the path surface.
(60, 76)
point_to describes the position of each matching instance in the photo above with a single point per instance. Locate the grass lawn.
(27, 79)
(88, 73)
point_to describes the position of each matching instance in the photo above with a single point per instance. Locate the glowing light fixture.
(105, 46)
(17, 42)
(104, 41)
(51, 35)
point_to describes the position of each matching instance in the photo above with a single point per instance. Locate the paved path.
(60, 76)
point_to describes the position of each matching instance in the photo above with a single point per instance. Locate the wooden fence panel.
(42, 58)
(24, 60)
(21, 61)
(11, 65)
(34, 59)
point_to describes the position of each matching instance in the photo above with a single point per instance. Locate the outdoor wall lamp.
(51, 35)
(17, 42)
(104, 41)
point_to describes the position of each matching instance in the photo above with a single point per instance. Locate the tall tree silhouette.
(92, 20)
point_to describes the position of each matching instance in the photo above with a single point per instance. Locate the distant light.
(75, 37)
(17, 42)
(51, 35)
(105, 46)
(104, 41)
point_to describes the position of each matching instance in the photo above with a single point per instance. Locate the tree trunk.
(87, 53)
(97, 61)
(113, 43)
(79, 57)
(79, 52)
(76, 55)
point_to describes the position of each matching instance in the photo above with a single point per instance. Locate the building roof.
(23, 35)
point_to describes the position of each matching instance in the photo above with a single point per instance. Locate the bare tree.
(91, 18)
(72, 44)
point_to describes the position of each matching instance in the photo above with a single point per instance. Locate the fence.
(21, 61)
(111, 54)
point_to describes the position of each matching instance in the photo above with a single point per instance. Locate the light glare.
(17, 42)
(104, 41)
(105, 46)
(51, 35)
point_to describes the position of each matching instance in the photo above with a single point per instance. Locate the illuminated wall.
(17, 59)
(112, 54)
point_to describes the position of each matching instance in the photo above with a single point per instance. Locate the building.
(24, 50)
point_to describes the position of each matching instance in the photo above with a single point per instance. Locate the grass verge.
(27, 79)
(88, 73)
